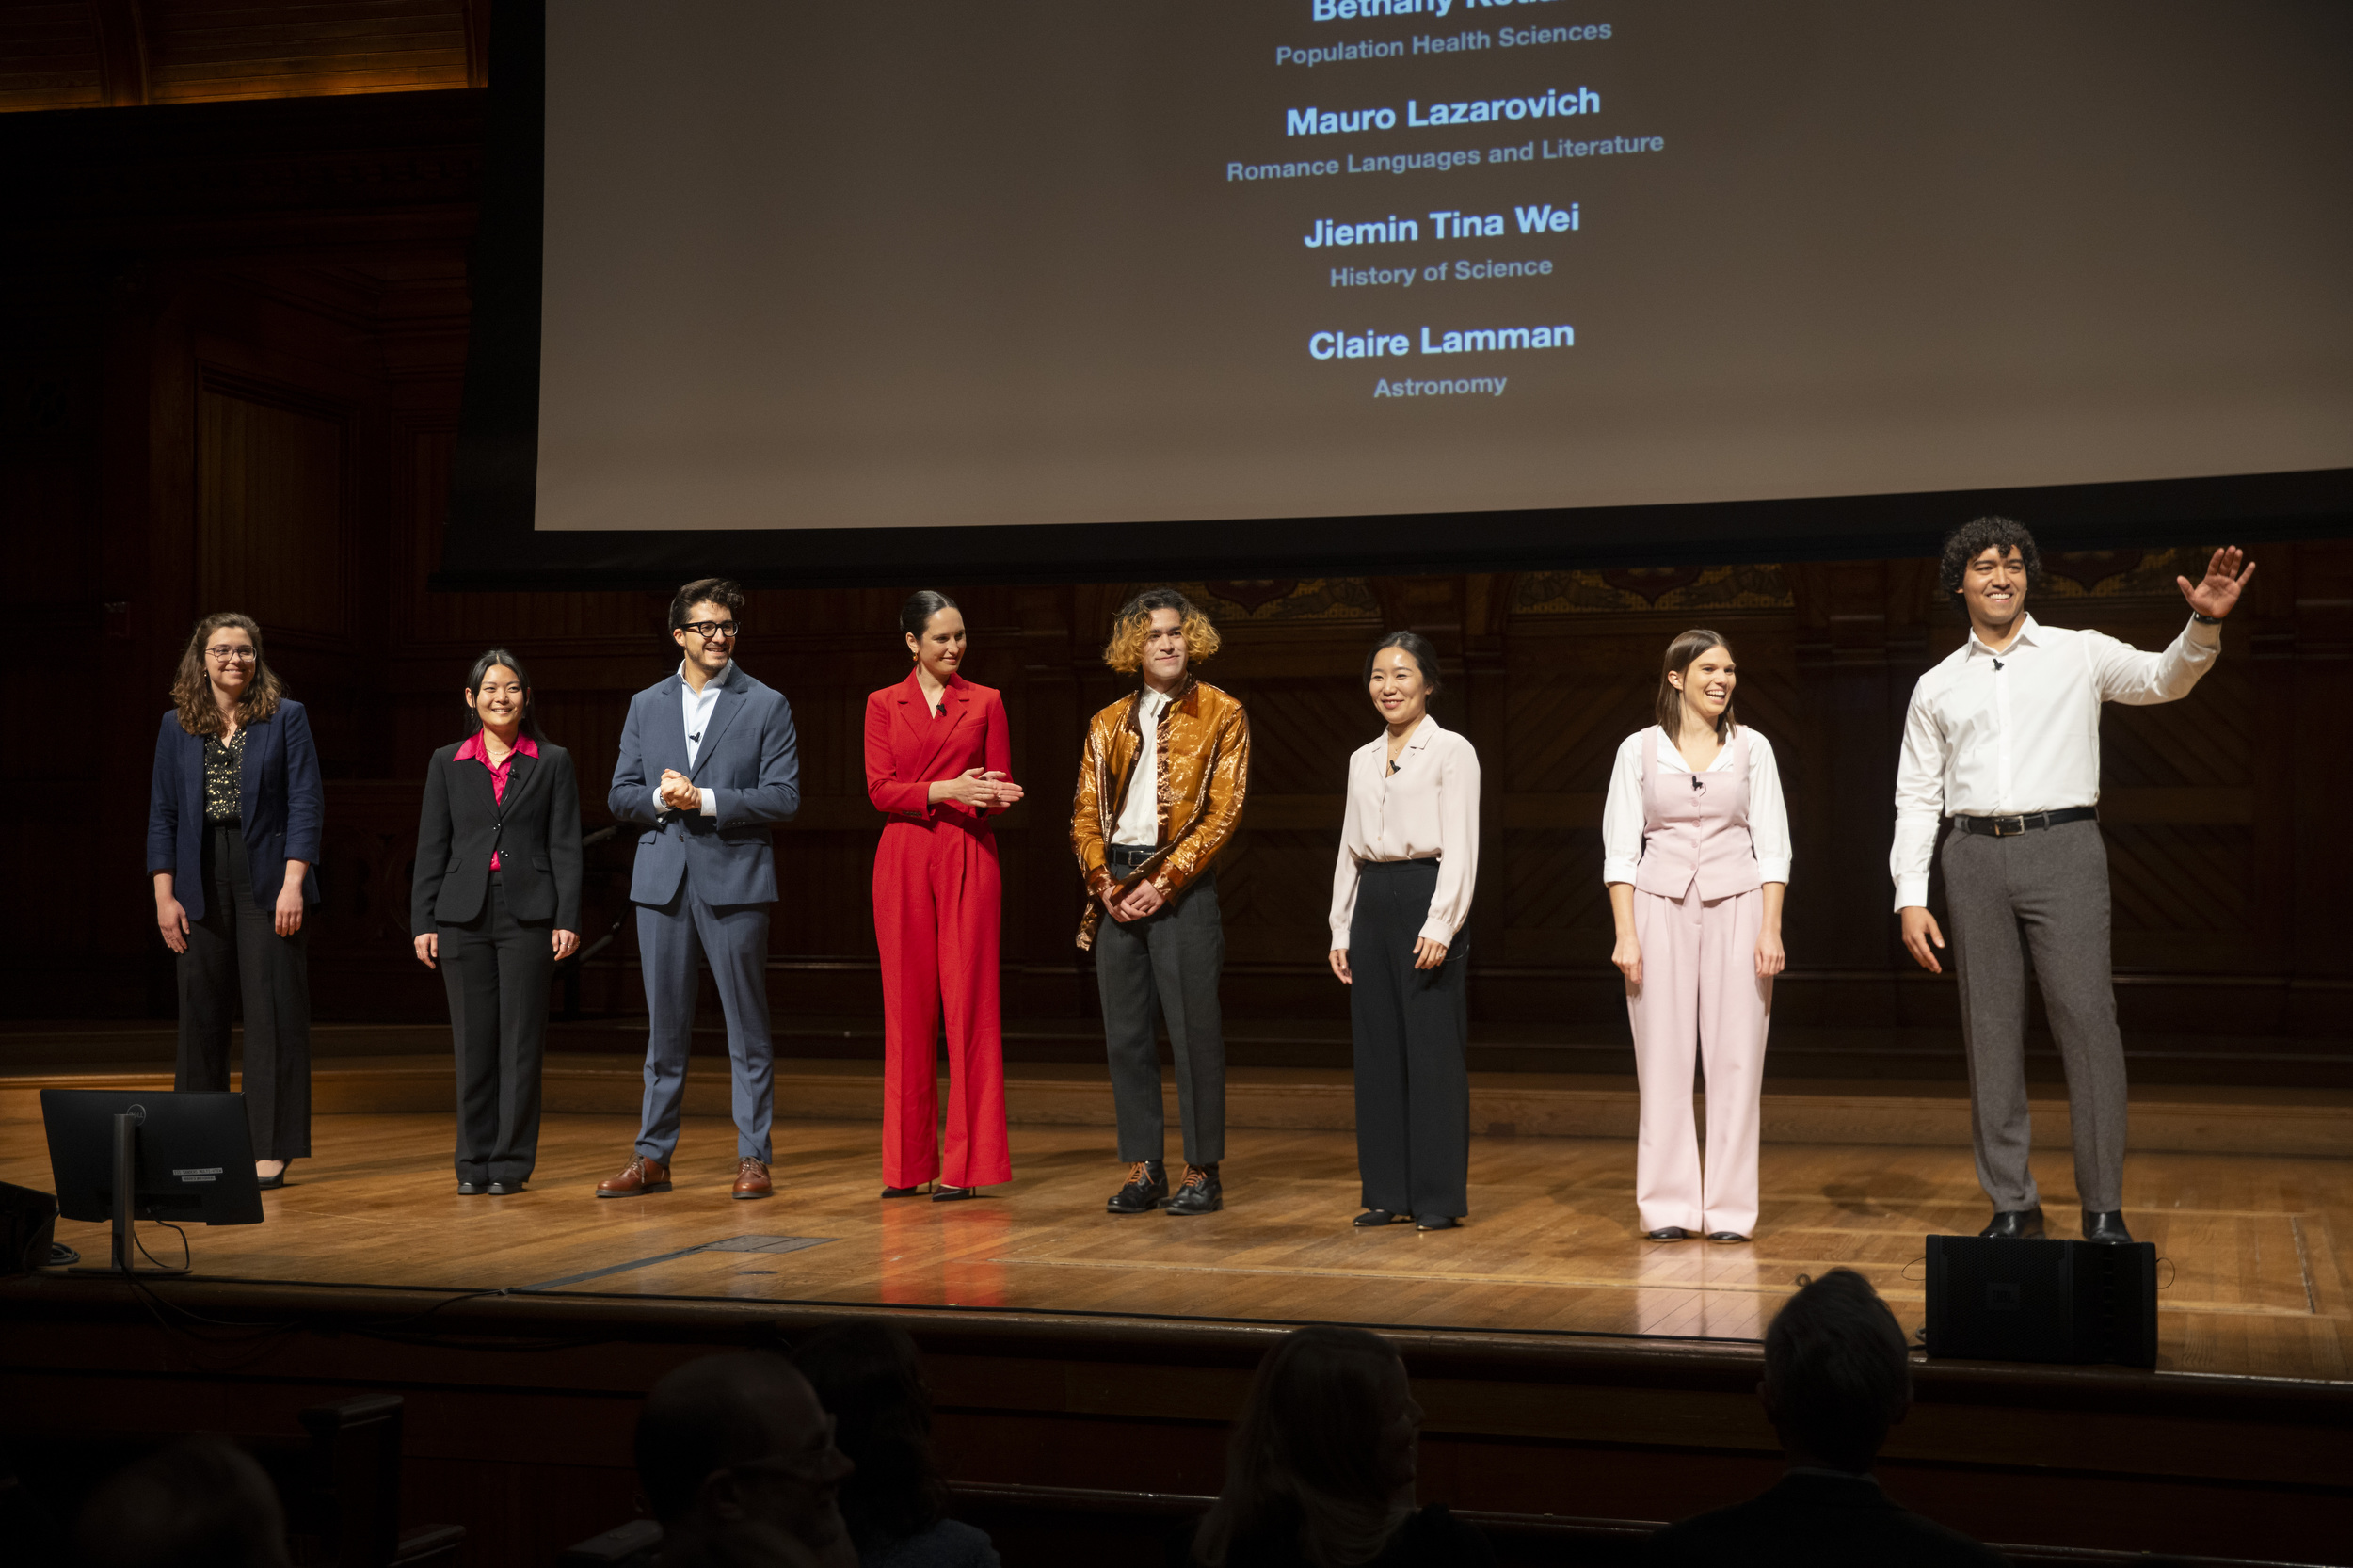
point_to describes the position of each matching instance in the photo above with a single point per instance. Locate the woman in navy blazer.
(233, 818)
(495, 905)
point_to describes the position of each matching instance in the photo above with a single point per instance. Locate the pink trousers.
(1699, 994)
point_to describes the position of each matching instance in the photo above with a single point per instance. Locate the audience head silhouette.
(738, 1462)
(201, 1503)
(869, 1376)
(1322, 1465)
(1837, 1372)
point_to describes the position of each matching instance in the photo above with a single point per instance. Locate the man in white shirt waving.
(2004, 737)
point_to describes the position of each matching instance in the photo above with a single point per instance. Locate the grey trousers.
(1169, 961)
(2046, 893)
(673, 941)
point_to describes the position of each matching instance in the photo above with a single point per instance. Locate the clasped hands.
(976, 788)
(1428, 953)
(678, 793)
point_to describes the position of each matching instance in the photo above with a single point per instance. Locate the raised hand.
(2215, 593)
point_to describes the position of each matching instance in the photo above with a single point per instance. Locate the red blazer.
(907, 750)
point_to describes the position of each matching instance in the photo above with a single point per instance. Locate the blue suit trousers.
(673, 940)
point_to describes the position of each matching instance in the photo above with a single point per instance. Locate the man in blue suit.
(707, 763)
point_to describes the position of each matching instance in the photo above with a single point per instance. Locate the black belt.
(1131, 856)
(2005, 827)
(1377, 867)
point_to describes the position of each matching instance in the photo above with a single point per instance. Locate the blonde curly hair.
(1125, 651)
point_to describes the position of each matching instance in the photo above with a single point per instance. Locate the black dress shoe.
(2014, 1225)
(1435, 1222)
(1725, 1235)
(2107, 1226)
(914, 1192)
(1146, 1189)
(1372, 1218)
(465, 1188)
(1667, 1233)
(1200, 1192)
(942, 1192)
(504, 1188)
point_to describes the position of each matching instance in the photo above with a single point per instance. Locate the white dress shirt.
(2017, 732)
(698, 706)
(1427, 805)
(1138, 822)
(1623, 812)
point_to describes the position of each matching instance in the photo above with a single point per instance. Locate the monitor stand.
(126, 1181)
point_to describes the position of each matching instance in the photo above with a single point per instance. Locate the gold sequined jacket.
(1204, 765)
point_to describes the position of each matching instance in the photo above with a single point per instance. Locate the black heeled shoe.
(1435, 1221)
(272, 1183)
(1372, 1218)
(1667, 1233)
(942, 1192)
(914, 1192)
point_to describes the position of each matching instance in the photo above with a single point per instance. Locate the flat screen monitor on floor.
(195, 1155)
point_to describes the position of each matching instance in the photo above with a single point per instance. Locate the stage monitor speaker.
(2043, 1300)
(28, 1222)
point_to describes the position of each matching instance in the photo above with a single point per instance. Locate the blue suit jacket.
(748, 757)
(286, 808)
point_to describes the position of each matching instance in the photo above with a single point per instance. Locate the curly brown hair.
(192, 688)
(1125, 651)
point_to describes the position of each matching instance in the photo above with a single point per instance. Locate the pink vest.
(1695, 827)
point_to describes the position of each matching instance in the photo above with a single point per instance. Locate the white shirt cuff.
(1912, 891)
(1436, 930)
(1773, 870)
(659, 806)
(711, 803)
(1619, 870)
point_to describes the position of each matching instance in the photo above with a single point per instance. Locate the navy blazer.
(748, 757)
(535, 832)
(285, 807)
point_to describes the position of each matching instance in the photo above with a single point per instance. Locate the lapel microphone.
(1997, 663)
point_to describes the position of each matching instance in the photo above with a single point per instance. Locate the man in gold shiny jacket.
(1161, 789)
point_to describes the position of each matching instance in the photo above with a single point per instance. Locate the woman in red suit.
(937, 756)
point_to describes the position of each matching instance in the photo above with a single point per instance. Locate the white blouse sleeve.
(1622, 812)
(1344, 875)
(1458, 842)
(1768, 812)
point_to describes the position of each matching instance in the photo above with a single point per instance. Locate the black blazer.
(535, 832)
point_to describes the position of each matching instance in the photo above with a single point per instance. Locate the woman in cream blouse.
(1695, 846)
(1409, 857)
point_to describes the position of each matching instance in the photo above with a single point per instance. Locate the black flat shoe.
(504, 1188)
(1667, 1233)
(2014, 1225)
(1726, 1236)
(1435, 1222)
(945, 1193)
(914, 1192)
(1372, 1218)
(2107, 1226)
(1201, 1193)
(1146, 1190)
(465, 1188)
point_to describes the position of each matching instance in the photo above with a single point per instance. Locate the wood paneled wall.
(251, 401)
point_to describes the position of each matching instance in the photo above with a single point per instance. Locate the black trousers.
(236, 956)
(498, 969)
(1169, 961)
(1410, 1029)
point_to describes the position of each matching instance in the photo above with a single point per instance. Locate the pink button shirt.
(525, 747)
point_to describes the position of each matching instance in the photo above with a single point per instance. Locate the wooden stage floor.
(2258, 1283)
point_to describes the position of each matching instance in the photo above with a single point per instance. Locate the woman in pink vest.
(1695, 843)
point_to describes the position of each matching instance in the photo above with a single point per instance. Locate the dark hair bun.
(922, 605)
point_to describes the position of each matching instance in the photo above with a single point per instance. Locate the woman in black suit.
(496, 903)
(233, 818)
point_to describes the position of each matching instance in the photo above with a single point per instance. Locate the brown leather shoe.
(638, 1178)
(751, 1179)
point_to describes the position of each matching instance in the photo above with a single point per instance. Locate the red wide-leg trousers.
(937, 898)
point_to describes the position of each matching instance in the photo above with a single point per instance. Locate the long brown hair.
(1686, 647)
(1304, 1468)
(192, 688)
